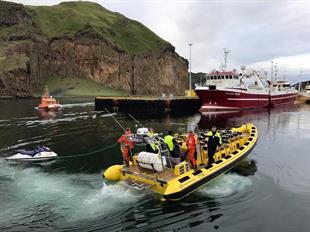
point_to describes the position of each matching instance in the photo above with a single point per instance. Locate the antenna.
(276, 71)
(226, 52)
(300, 80)
(190, 66)
(271, 72)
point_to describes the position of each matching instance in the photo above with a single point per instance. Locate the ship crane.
(250, 73)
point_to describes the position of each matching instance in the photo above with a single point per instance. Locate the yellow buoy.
(113, 173)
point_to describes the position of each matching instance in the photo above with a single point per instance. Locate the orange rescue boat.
(48, 102)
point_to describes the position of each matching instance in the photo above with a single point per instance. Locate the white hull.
(39, 157)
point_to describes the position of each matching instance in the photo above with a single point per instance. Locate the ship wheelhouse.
(222, 79)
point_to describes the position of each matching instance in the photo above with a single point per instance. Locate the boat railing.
(164, 151)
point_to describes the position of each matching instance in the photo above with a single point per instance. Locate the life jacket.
(169, 141)
(150, 134)
(154, 147)
(213, 137)
(191, 142)
(125, 141)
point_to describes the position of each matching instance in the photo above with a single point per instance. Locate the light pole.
(190, 66)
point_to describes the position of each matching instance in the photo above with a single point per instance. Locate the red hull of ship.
(229, 100)
(282, 99)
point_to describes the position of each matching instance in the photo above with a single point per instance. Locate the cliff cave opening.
(2, 86)
(28, 68)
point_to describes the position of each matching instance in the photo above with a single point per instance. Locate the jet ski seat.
(27, 152)
(33, 152)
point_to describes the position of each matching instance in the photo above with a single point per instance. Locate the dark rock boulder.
(13, 13)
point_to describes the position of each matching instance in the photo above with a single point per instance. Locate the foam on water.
(71, 197)
(36, 121)
(25, 144)
(78, 105)
(226, 185)
(55, 121)
(110, 198)
(107, 115)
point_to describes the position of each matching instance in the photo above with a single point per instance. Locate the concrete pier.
(159, 104)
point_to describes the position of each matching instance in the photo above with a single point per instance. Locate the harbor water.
(268, 191)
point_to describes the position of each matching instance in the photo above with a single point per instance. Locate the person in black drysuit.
(214, 140)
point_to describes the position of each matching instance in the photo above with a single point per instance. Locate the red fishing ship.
(230, 90)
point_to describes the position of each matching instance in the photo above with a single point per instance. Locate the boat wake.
(52, 118)
(226, 185)
(69, 106)
(77, 105)
(109, 199)
(69, 197)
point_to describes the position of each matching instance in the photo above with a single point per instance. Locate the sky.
(255, 31)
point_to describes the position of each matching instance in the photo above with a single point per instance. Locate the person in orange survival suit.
(126, 145)
(191, 148)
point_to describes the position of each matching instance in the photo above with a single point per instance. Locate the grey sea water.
(268, 191)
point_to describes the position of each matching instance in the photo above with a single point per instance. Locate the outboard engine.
(142, 131)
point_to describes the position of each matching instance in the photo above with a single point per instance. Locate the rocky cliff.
(83, 39)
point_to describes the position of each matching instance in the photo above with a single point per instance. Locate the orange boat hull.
(49, 104)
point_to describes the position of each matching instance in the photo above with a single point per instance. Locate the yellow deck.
(166, 175)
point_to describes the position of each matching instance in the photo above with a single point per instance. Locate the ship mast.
(300, 80)
(271, 72)
(190, 66)
(46, 93)
(276, 71)
(226, 52)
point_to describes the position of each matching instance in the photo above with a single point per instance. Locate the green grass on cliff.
(69, 86)
(66, 18)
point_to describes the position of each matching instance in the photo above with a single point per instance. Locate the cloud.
(256, 31)
(293, 68)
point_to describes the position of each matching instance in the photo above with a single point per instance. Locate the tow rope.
(86, 154)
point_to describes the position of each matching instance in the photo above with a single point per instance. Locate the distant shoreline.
(95, 96)
(39, 97)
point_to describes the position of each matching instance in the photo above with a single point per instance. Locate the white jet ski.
(40, 154)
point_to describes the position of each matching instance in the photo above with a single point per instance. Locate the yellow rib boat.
(175, 181)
